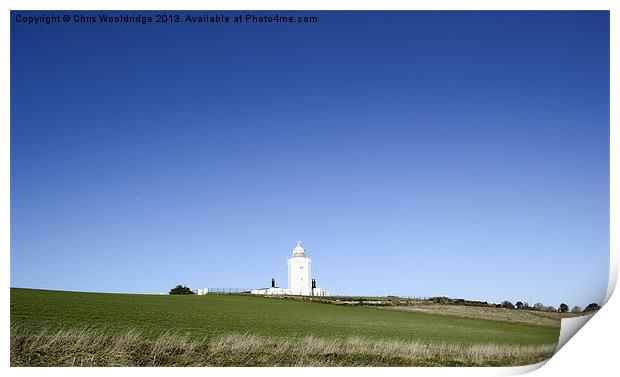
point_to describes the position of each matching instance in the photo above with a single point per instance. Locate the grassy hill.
(251, 330)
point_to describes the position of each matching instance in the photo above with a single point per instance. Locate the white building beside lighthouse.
(300, 280)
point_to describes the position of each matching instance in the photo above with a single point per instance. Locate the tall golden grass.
(90, 347)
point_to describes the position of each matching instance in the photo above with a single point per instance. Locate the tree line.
(563, 308)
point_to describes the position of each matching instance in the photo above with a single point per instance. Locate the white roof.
(299, 251)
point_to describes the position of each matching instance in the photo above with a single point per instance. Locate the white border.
(581, 356)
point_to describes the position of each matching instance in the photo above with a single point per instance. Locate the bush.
(181, 290)
(507, 304)
(576, 309)
(592, 307)
(563, 308)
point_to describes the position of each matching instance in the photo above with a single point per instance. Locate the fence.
(228, 290)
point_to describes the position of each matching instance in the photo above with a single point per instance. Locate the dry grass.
(88, 347)
(528, 317)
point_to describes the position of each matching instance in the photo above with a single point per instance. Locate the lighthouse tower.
(299, 277)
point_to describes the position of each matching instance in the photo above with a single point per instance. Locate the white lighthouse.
(300, 282)
(299, 276)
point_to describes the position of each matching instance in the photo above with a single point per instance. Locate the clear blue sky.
(413, 153)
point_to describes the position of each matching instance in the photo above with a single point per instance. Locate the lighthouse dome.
(299, 251)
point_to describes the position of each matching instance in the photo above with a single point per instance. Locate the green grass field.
(264, 325)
